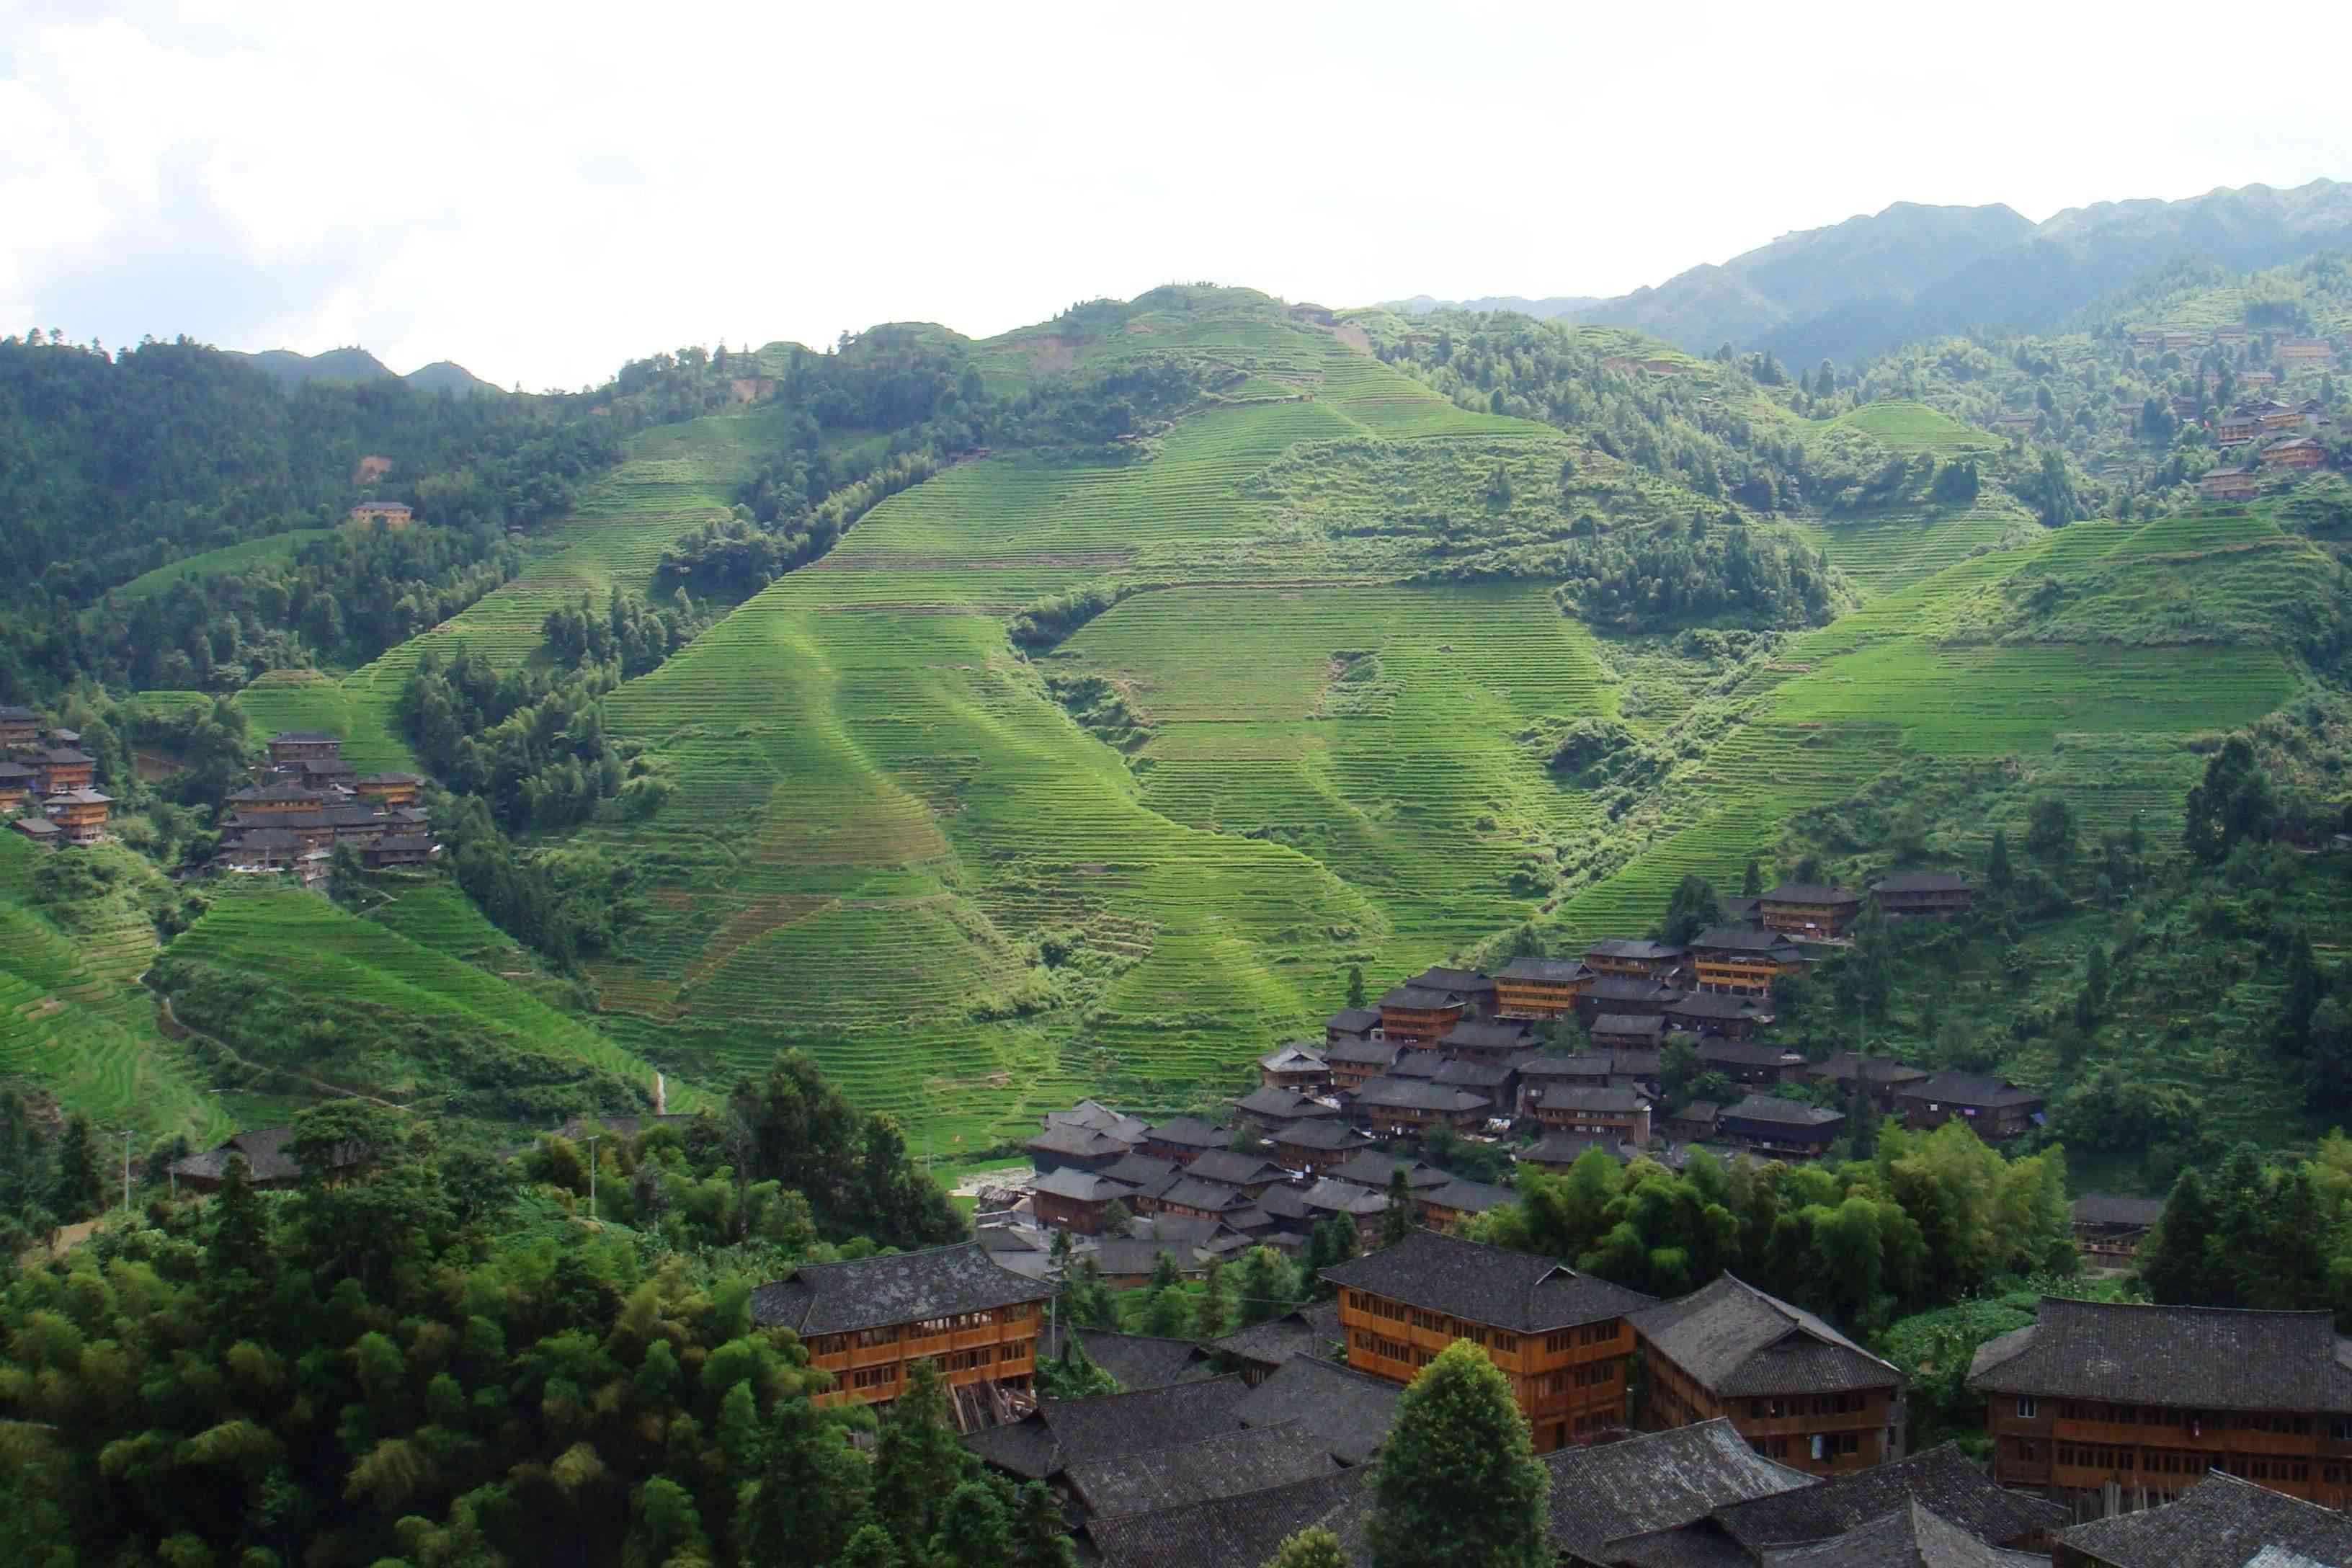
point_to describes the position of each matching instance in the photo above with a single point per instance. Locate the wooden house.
(1249, 1175)
(262, 849)
(1709, 1013)
(1299, 1067)
(1371, 1168)
(398, 850)
(1194, 1199)
(1476, 990)
(79, 814)
(1780, 1129)
(2108, 1230)
(1627, 1031)
(1693, 1123)
(1995, 1106)
(2228, 484)
(1561, 1337)
(2307, 351)
(290, 748)
(270, 1162)
(2016, 424)
(1817, 1526)
(324, 774)
(2150, 1399)
(1067, 1198)
(1076, 1148)
(1557, 1153)
(2255, 375)
(39, 829)
(1627, 996)
(17, 785)
(865, 1319)
(1312, 1331)
(1637, 958)
(1457, 1203)
(2295, 452)
(265, 800)
(1416, 1016)
(1355, 1063)
(2282, 416)
(1277, 1110)
(18, 727)
(1362, 1207)
(1184, 1139)
(1795, 1388)
(1809, 909)
(389, 789)
(1618, 1113)
(2235, 427)
(1498, 1081)
(1350, 1024)
(392, 514)
(1883, 1078)
(2232, 337)
(1312, 1146)
(1922, 895)
(1749, 1062)
(1500, 1043)
(1539, 988)
(61, 770)
(1393, 1106)
(1743, 960)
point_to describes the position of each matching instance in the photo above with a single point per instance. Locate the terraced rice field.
(1893, 548)
(237, 557)
(1916, 427)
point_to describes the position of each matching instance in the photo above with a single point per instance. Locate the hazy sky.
(541, 192)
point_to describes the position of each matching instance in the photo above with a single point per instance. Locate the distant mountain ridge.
(290, 369)
(1912, 271)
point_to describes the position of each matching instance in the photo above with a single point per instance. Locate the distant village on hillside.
(2271, 440)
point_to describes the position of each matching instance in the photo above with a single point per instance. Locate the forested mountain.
(356, 365)
(1861, 287)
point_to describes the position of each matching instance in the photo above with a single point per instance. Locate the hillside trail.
(332, 1091)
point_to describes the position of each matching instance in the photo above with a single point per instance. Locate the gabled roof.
(1639, 948)
(1078, 1142)
(1745, 939)
(36, 828)
(1081, 1186)
(66, 756)
(390, 778)
(1223, 1532)
(1943, 1477)
(1558, 1148)
(898, 1287)
(1282, 1104)
(1748, 1053)
(80, 797)
(1101, 1118)
(1637, 1025)
(1488, 1078)
(1327, 1136)
(1468, 1197)
(1139, 1361)
(1222, 1464)
(1284, 1200)
(2219, 1522)
(1608, 1491)
(1545, 971)
(1588, 1063)
(264, 1149)
(1504, 1289)
(1213, 1196)
(1462, 981)
(1921, 882)
(1846, 1067)
(1110, 1425)
(1310, 1331)
(2100, 1208)
(1234, 1169)
(1352, 1020)
(1811, 893)
(1419, 999)
(1767, 1107)
(1609, 988)
(1344, 1412)
(1970, 1089)
(10, 772)
(1909, 1536)
(2211, 1358)
(1475, 1034)
(1373, 1169)
(1363, 1053)
(1602, 1101)
(1329, 1196)
(15, 715)
(1189, 1133)
(1736, 1340)
(1418, 1094)
(1293, 1058)
(1717, 1005)
(1140, 1168)
(278, 793)
(1422, 1065)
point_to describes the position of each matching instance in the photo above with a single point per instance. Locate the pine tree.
(973, 1531)
(1752, 882)
(916, 1460)
(812, 1490)
(1168, 1313)
(1396, 1223)
(1213, 1314)
(1164, 1275)
(1999, 877)
(1458, 1482)
(82, 1184)
(1355, 985)
(1041, 1537)
(1267, 1285)
(2174, 1262)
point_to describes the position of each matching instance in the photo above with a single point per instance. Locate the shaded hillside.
(448, 376)
(351, 365)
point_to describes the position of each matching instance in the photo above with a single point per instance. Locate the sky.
(540, 193)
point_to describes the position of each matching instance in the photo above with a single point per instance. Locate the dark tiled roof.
(1078, 1142)
(1421, 1065)
(403, 845)
(1715, 1004)
(1592, 1064)
(265, 1151)
(1736, 1340)
(1627, 1024)
(1176, 1229)
(836, 1298)
(1344, 1412)
(1189, 1133)
(1120, 1257)
(1352, 1020)
(1225, 1533)
(1748, 1053)
(1461, 982)
(1327, 1136)
(1944, 1479)
(1847, 1066)
(2219, 1522)
(1485, 1078)
(1111, 1425)
(1545, 971)
(1213, 1196)
(1921, 882)
(1233, 1169)
(1970, 1089)
(1743, 938)
(2100, 1208)
(1372, 1169)
(1363, 1053)
(1329, 1197)
(1637, 948)
(36, 828)
(1608, 1491)
(1284, 1200)
(18, 716)
(1698, 1544)
(1418, 1094)
(1094, 1113)
(2203, 1357)
(1139, 1361)
(275, 793)
(1766, 1107)
(1282, 1104)
(1630, 988)
(1810, 893)
(1140, 1169)
(1514, 1290)
(1420, 999)
(1567, 1148)
(1228, 1464)
(1082, 1187)
(1473, 1036)
(1910, 1536)
(1292, 1057)
(1606, 1101)
(1468, 1197)
(1309, 1331)
(13, 770)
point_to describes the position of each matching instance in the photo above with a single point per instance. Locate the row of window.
(2339, 1428)
(2173, 1462)
(1580, 1339)
(1819, 1446)
(1807, 1404)
(927, 1328)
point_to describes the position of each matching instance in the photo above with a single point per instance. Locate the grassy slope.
(239, 557)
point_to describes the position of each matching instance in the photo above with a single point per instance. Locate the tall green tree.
(812, 1490)
(918, 1462)
(1458, 1481)
(1690, 909)
(2175, 1263)
(1396, 1221)
(1314, 1547)
(2228, 806)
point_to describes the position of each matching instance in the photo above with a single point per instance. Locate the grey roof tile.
(1514, 1290)
(2219, 1522)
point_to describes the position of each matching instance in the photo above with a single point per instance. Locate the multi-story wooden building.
(16, 784)
(1371, 1169)
(2228, 484)
(1743, 960)
(1881, 1078)
(389, 789)
(1362, 1207)
(1184, 1139)
(1419, 1016)
(1561, 1337)
(1350, 1024)
(1278, 1110)
(1539, 988)
(1297, 1067)
(1628, 1031)
(1311, 1146)
(1476, 990)
(1780, 1129)
(1751, 1062)
(2108, 1229)
(1621, 1113)
(1068, 1198)
(1729, 1016)
(79, 814)
(18, 727)
(270, 799)
(39, 829)
(1249, 1175)
(1389, 1106)
(394, 515)
(1624, 994)
(1812, 909)
(865, 1320)
(1995, 1106)
(398, 850)
(1922, 895)
(1500, 1043)
(1355, 1063)
(1798, 1390)
(2307, 351)
(2149, 1399)
(1635, 957)
(288, 748)
(61, 769)
(1450, 1207)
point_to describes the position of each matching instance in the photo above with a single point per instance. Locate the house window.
(2028, 1407)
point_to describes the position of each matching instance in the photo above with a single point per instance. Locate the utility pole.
(591, 1141)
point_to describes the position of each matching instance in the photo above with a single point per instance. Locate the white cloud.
(540, 193)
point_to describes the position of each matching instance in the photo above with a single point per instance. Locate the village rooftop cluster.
(306, 800)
